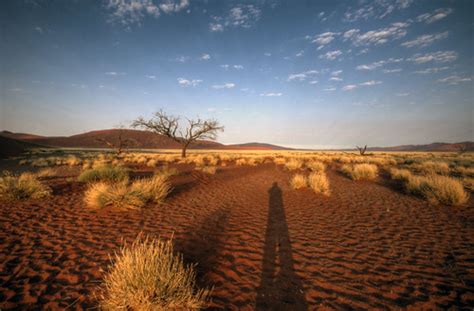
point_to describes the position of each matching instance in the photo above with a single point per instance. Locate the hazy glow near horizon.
(297, 73)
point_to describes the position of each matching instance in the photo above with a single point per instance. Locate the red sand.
(261, 245)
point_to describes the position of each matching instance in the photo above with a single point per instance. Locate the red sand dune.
(258, 242)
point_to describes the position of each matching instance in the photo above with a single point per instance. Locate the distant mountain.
(136, 140)
(149, 140)
(10, 147)
(256, 146)
(452, 147)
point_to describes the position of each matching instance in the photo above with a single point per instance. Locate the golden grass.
(127, 196)
(207, 169)
(148, 276)
(431, 167)
(316, 166)
(106, 173)
(400, 174)
(25, 186)
(294, 164)
(437, 189)
(360, 171)
(319, 182)
(298, 181)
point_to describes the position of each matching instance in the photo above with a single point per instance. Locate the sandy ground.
(259, 243)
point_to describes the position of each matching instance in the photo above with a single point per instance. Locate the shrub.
(147, 275)
(360, 171)
(125, 196)
(21, 187)
(319, 182)
(207, 169)
(298, 181)
(241, 161)
(400, 174)
(106, 173)
(431, 167)
(279, 161)
(294, 164)
(316, 166)
(167, 171)
(45, 172)
(437, 189)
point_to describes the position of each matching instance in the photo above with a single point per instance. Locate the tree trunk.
(183, 151)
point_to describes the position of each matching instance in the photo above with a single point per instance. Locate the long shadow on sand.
(280, 287)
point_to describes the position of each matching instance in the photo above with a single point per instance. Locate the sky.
(309, 74)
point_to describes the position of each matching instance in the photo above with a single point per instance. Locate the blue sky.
(296, 73)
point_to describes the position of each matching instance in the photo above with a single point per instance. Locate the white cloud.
(453, 80)
(271, 94)
(324, 38)
(216, 27)
(434, 16)
(185, 82)
(313, 82)
(244, 16)
(224, 86)
(170, 6)
(376, 9)
(267, 54)
(236, 67)
(331, 55)
(329, 89)
(114, 73)
(39, 29)
(301, 76)
(335, 79)
(392, 70)
(378, 64)
(152, 77)
(299, 54)
(377, 37)
(205, 57)
(370, 83)
(431, 70)
(349, 87)
(402, 94)
(134, 11)
(438, 57)
(425, 40)
(336, 72)
(182, 59)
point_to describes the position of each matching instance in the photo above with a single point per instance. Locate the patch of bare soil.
(259, 243)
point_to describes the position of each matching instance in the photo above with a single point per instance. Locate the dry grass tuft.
(25, 186)
(298, 181)
(125, 196)
(106, 173)
(400, 174)
(294, 164)
(316, 166)
(437, 189)
(207, 169)
(147, 275)
(360, 171)
(319, 182)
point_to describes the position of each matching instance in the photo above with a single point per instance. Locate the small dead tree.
(170, 126)
(462, 149)
(362, 150)
(119, 146)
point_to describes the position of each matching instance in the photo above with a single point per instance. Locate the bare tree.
(362, 150)
(462, 149)
(120, 145)
(170, 126)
